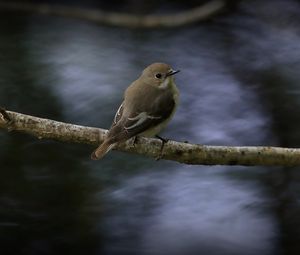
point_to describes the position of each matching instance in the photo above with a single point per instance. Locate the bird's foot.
(163, 141)
(134, 141)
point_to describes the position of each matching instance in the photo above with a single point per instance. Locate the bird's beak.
(172, 72)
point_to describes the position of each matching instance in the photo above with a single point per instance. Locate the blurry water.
(53, 199)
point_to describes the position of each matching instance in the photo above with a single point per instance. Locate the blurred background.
(240, 85)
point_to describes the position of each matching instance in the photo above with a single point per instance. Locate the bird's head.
(159, 75)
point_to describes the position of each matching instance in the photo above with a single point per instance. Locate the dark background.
(240, 85)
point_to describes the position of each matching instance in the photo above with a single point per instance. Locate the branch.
(176, 151)
(118, 19)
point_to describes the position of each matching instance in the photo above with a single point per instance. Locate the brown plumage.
(149, 103)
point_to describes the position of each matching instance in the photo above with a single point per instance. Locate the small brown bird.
(149, 104)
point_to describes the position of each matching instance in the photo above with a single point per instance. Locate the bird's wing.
(125, 127)
(141, 122)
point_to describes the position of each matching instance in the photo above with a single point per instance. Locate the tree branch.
(176, 151)
(118, 19)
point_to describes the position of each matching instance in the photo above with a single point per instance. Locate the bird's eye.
(158, 75)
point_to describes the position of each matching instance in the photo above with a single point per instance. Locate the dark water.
(240, 85)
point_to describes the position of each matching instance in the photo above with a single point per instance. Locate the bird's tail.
(100, 152)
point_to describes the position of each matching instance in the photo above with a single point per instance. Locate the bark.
(200, 13)
(176, 151)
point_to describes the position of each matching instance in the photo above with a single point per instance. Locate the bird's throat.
(167, 83)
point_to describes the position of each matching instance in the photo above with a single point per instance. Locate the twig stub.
(4, 115)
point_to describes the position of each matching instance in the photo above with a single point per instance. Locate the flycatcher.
(149, 104)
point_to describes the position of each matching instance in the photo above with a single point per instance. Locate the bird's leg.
(163, 141)
(134, 140)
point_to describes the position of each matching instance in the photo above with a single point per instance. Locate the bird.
(148, 105)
